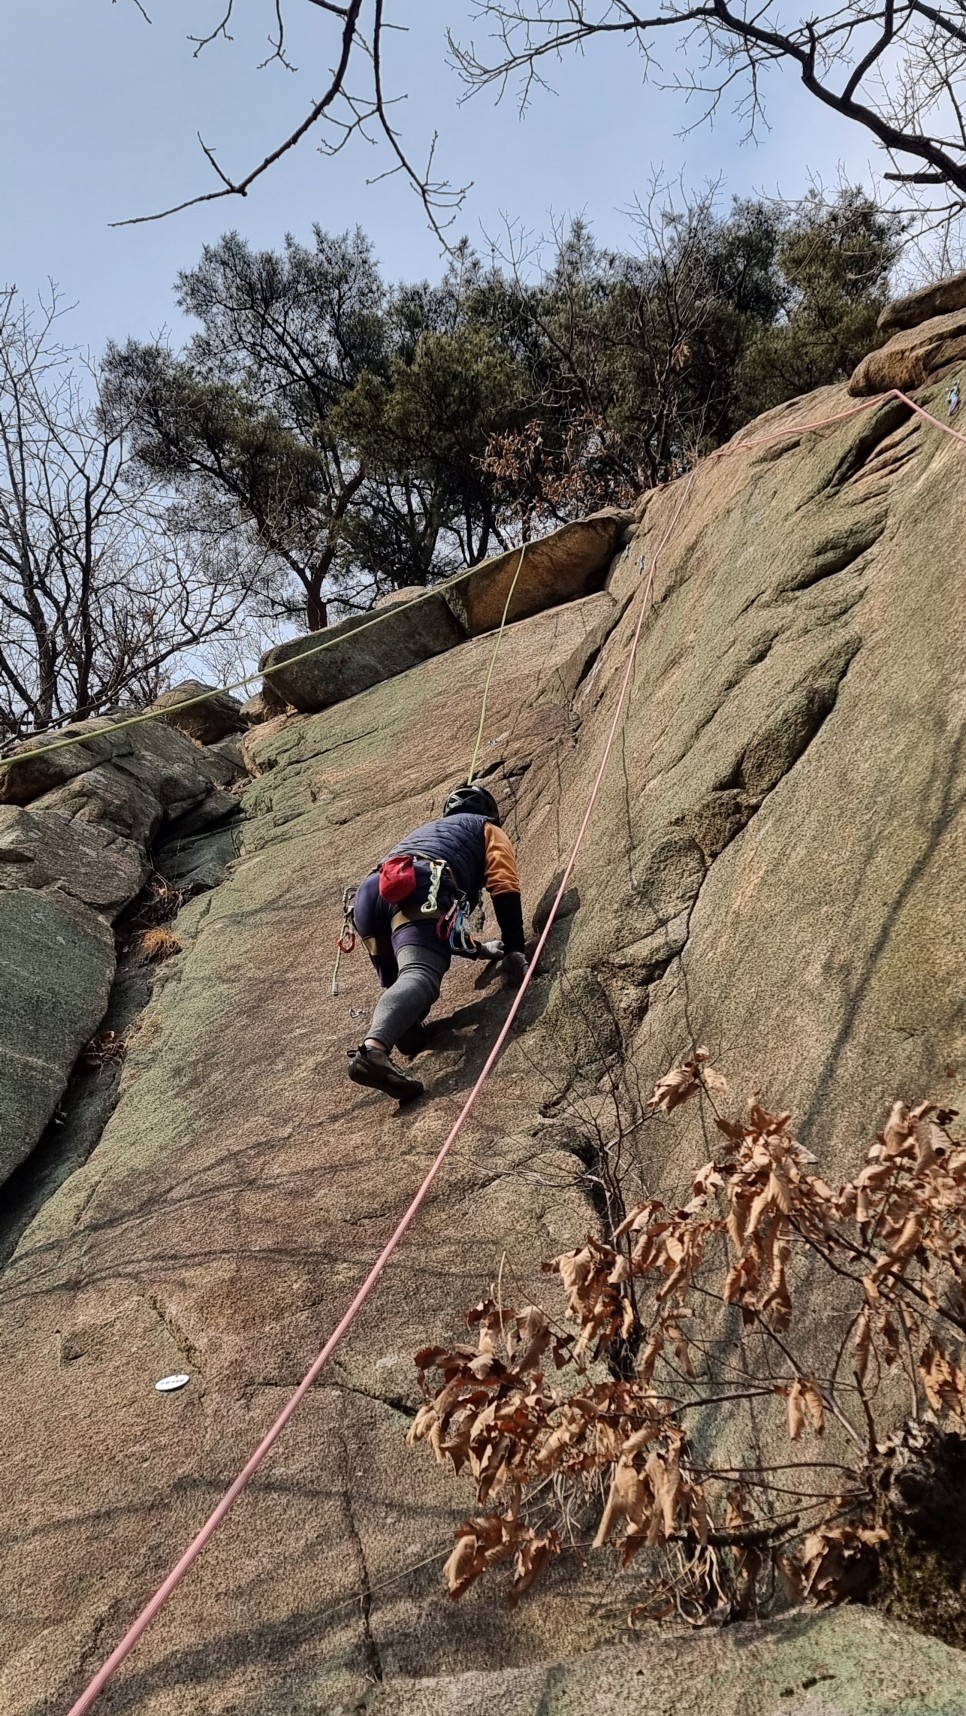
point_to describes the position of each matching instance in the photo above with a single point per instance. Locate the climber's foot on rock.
(413, 1041)
(373, 1068)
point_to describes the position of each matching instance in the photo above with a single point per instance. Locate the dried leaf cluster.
(141, 933)
(105, 1048)
(578, 1427)
(537, 485)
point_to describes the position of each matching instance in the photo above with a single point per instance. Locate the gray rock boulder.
(43, 763)
(568, 563)
(77, 822)
(151, 753)
(912, 356)
(107, 798)
(231, 749)
(327, 667)
(204, 721)
(194, 851)
(264, 706)
(41, 849)
(921, 306)
(178, 773)
(56, 966)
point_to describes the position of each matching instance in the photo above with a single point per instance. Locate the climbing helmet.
(474, 799)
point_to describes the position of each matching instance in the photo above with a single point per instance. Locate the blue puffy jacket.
(460, 841)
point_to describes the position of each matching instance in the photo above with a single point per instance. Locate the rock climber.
(412, 915)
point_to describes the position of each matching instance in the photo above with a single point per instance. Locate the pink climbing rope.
(840, 417)
(139, 1626)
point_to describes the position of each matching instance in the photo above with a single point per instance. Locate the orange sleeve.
(500, 874)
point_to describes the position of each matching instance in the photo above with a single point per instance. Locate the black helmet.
(474, 799)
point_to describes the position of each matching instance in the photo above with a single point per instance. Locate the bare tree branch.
(355, 47)
(101, 585)
(903, 85)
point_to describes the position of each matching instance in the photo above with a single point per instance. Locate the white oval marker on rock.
(168, 1384)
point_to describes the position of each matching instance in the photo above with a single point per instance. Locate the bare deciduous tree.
(354, 102)
(894, 67)
(100, 586)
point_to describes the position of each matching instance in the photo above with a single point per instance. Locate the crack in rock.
(370, 1648)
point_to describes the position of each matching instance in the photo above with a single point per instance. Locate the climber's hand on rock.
(513, 969)
(490, 949)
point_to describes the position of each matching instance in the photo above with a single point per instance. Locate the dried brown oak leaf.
(944, 1383)
(684, 1081)
(805, 1406)
(833, 1565)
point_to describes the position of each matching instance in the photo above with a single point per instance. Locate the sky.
(100, 113)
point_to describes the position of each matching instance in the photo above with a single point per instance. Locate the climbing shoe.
(374, 1068)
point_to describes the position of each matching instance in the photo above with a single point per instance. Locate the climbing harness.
(347, 935)
(452, 921)
(204, 1535)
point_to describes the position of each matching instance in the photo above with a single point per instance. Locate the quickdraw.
(437, 870)
(347, 935)
(454, 928)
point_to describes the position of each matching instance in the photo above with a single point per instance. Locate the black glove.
(513, 969)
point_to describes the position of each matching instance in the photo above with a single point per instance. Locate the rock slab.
(913, 356)
(327, 667)
(921, 306)
(41, 849)
(557, 568)
(56, 966)
(77, 821)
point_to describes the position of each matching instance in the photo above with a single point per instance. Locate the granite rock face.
(77, 822)
(774, 867)
(56, 967)
(938, 300)
(844, 1663)
(913, 356)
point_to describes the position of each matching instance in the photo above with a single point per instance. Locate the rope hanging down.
(139, 1626)
(496, 651)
